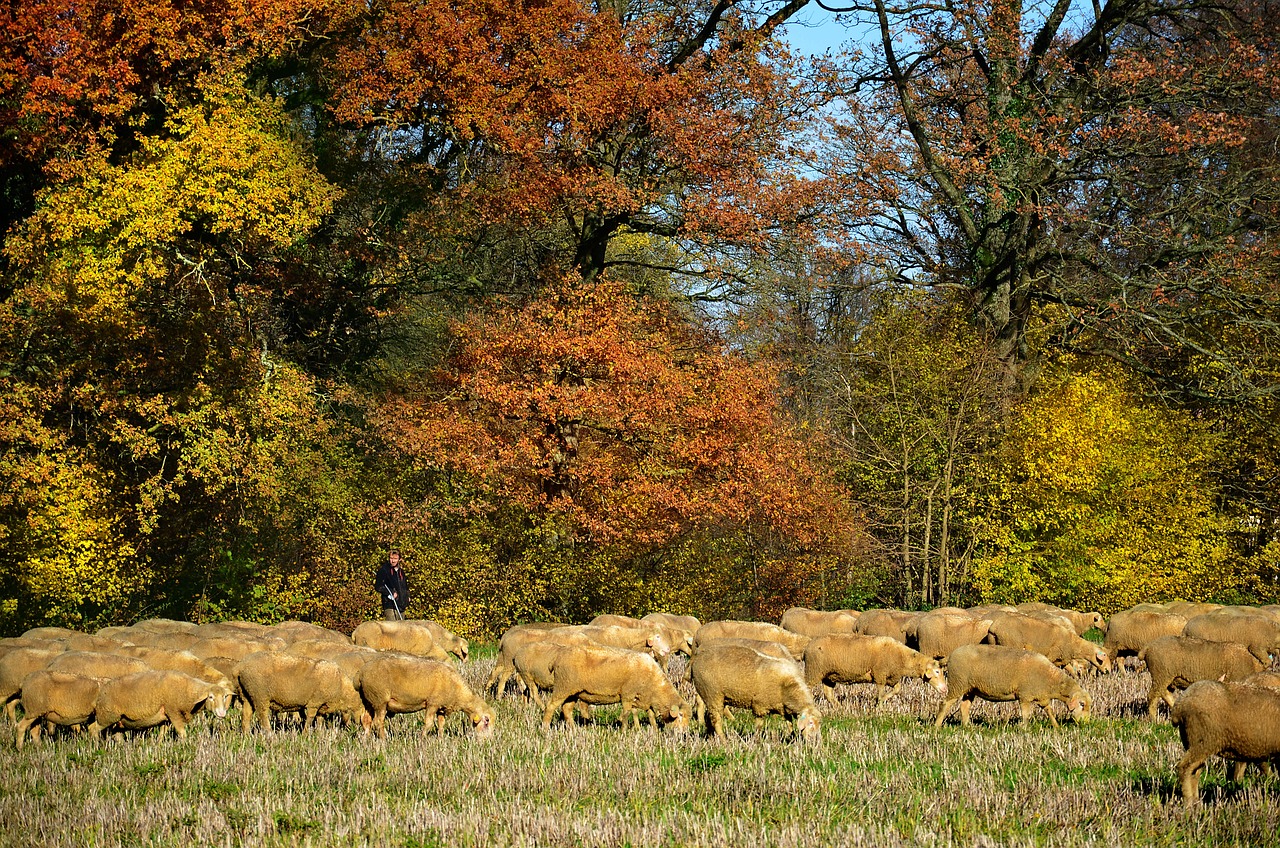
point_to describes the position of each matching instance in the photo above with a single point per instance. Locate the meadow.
(875, 779)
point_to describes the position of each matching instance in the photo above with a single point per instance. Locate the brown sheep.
(1259, 633)
(1175, 662)
(1056, 639)
(236, 647)
(1266, 679)
(172, 640)
(55, 698)
(684, 623)
(649, 638)
(512, 640)
(938, 633)
(401, 636)
(679, 639)
(740, 677)
(795, 643)
(405, 684)
(15, 665)
(597, 674)
(151, 698)
(815, 623)
(165, 625)
(881, 660)
(445, 638)
(1002, 673)
(233, 630)
(1130, 631)
(1238, 722)
(51, 634)
(85, 642)
(297, 631)
(278, 682)
(186, 662)
(886, 622)
(1189, 610)
(1085, 621)
(92, 664)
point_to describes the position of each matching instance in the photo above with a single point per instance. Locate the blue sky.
(815, 30)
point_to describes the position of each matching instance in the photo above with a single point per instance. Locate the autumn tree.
(615, 425)
(1098, 500)
(1100, 171)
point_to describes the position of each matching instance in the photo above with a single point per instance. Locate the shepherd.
(393, 587)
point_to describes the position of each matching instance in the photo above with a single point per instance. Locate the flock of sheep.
(160, 672)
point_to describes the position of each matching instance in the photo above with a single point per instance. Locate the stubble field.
(876, 779)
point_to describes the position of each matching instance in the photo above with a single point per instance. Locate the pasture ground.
(882, 779)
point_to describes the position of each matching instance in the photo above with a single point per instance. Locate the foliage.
(1099, 501)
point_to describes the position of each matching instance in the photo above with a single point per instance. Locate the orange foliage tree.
(613, 424)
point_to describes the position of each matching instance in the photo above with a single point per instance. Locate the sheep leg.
(23, 726)
(1158, 693)
(1189, 775)
(829, 692)
(948, 704)
(178, 723)
(380, 721)
(966, 704)
(886, 693)
(556, 702)
(1047, 706)
(11, 710)
(1237, 770)
(714, 717)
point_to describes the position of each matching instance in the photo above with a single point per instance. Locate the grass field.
(874, 780)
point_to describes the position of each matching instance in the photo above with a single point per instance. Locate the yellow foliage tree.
(1100, 501)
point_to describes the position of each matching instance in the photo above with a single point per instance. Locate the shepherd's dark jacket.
(390, 580)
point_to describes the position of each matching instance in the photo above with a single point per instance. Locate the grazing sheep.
(1259, 633)
(151, 698)
(815, 623)
(881, 660)
(795, 643)
(886, 622)
(1085, 621)
(1175, 662)
(236, 647)
(512, 640)
(598, 674)
(1003, 673)
(404, 684)
(233, 630)
(1056, 639)
(165, 625)
(278, 682)
(14, 667)
(1130, 631)
(740, 677)
(939, 633)
(92, 664)
(1237, 722)
(680, 639)
(186, 662)
(1267, 679)
(51, 634)
(686, 623)
(172, 640)
(55, 698)
(649, 638)
(445, 638)
(402, 636)
(1190, 610)
(297, 631)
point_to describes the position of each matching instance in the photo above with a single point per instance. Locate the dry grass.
(875, 780)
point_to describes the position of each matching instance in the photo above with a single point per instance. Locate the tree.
(1097, 500)
(615, 425)
(1102, 175)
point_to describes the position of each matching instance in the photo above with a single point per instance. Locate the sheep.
(55, 698)
(1175, 662)
(406, 684)
(886, 622)
(151, 698)
(1056, 639)
(814, 623)
(598, 674)
(680, 639)
(400, 636)
(650, 638)
(233, 630)
(91, 664)
(50, 634)
(1190, 610)
(1003, 673)
(1259, 633)
(1130, 631)
(186, 662)
(1238, 722)
(236, 647)
(1267, 679)
(1085, 621)
(938, 634)
(445, 638)
(881, 660)
(795, 643)
(16, 665)
(165, 625)
(741, 677)
(686, 623)
(86, 642)
(512, 640)
(168, 640)
(278, 682)
(296, 631)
